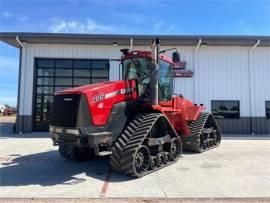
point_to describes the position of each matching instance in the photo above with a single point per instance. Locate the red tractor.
(137, 120)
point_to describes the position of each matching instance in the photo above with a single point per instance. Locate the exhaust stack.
(154, 76)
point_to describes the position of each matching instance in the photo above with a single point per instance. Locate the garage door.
(52, 75)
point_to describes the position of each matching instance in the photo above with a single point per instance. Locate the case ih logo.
(181, 71)
(68, 99)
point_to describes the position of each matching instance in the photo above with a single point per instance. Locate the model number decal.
(126, 91)
(99, 97)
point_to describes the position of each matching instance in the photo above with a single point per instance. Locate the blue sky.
(215, 17)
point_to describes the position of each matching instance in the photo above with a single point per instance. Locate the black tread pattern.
(67, 151)
(192, 142)
(130, 140)
(74, 153)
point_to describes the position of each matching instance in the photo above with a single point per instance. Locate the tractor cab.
(140, 66)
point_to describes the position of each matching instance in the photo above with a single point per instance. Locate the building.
(231, 74)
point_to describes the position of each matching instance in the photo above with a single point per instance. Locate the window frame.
(239, 109)
(267, 117)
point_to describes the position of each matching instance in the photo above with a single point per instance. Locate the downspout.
(198, 45)
(249, 77)
(194, 66)
(19, 125)
(131, 44)
(20, 43)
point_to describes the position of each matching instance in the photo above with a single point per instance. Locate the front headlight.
(51, 129)
(58, 130)
(73, 131)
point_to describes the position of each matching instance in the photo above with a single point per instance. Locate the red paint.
(179, 111)
(105, 186)
(100, 110)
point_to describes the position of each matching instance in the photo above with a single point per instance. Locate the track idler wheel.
(175, 149)
(142, 161)
(167, 157)
(161, 159)
(153, 163)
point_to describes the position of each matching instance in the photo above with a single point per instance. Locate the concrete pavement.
(31, 168)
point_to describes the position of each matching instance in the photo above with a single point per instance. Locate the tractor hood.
(101, 97)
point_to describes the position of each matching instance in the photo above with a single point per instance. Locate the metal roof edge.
(227, 40)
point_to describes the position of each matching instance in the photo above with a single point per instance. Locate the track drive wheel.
(175, 149)
(74, 153)
(141, 161)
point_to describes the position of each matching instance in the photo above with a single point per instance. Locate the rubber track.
(71, 153)
(192, 143)
(129, 141)
(67, 151)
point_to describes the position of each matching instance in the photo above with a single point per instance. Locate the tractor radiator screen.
(65, 109)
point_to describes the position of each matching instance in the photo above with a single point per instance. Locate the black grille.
(65, 109)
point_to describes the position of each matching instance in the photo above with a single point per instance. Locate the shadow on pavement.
(48, 169)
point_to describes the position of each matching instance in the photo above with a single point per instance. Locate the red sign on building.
(181, 71)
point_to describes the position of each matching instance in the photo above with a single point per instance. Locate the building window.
(226, 109)
(53, 75)
(267, 109)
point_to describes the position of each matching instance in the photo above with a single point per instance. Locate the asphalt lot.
(31, 168)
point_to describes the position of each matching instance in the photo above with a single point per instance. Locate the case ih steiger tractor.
(137, 120)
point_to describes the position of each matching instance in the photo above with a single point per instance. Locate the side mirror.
(176, 57)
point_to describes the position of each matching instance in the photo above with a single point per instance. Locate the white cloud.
(243, 28)
(22, 18)
(83, 26)
(163, 28)
(158, 25)
(7, 15)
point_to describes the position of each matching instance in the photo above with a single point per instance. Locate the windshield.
(140, 69)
